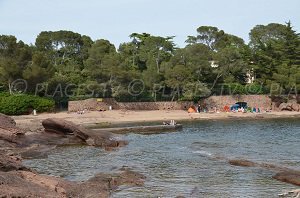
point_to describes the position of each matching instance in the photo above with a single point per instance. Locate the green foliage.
(65, 65)
(23, 104)
(276, 56)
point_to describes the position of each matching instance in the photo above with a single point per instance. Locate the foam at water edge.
(204, 153)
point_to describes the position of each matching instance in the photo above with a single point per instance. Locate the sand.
(33, 123)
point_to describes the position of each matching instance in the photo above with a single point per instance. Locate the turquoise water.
(191, 162)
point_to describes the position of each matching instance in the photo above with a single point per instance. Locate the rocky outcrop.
(16, 180)
(92, 138)
(291, 106)
(57, 132)
(28, 184)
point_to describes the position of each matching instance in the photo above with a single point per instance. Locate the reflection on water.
(189, 162)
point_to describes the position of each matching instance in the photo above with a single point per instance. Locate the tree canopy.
(67, 65)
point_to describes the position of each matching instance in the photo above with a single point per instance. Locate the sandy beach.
(33, 123)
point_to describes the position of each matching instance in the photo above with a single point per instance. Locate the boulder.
(295, 107)
(289, 106)
(60, 126)
(92, 138)
(285, 107)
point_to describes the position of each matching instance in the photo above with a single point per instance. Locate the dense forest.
(65, 65)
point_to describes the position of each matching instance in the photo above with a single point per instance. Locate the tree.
(62, 46)
(207, 35)
(38, 70)
(275, 49)
(14, 56)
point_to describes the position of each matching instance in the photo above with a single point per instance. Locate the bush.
(22, 104)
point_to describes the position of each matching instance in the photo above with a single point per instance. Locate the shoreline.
(120, 117)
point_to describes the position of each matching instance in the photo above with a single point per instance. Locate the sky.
(115, 20)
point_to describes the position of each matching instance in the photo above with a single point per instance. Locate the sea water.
(192, 162)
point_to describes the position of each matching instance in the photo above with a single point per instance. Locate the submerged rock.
(292, 177)
(281, 173)
(241, 162)
(101, 185)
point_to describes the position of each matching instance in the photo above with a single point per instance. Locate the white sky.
(115, 20)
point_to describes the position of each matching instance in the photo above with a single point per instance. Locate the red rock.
(295, 107)
(92, 138)
(241, 162)
(292, 177)
(6, 121)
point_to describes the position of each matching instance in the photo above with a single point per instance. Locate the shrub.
(22, 104)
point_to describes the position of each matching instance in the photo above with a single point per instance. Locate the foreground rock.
(18, 181)
(27, 184)
(9, 163)
(92, 138)
(57, 132)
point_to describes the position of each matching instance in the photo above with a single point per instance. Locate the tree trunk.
(9, 87)
(216, 80)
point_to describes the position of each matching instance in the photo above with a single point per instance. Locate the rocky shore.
(16, 180)
(46, 132)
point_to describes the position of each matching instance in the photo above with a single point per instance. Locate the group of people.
(199, 108)
(245, 110)
(172, 122)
